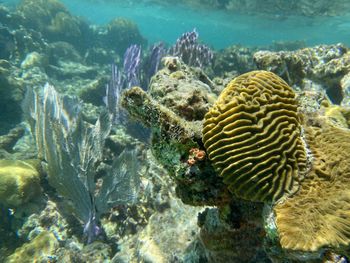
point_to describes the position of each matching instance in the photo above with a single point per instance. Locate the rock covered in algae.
(184, 90)
(252, 136)
(53, 20)
(324, 65)
(19, 182)
(40, 249)
(174, 136)
(233, 233)
(169, 236)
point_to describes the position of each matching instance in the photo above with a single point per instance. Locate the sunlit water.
(217, 28)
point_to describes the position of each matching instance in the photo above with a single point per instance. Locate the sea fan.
(72, 149)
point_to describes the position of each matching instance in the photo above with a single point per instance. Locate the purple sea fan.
(131, 67)
(121, 79)
(157, 52)
(190, 51)
(113, 92)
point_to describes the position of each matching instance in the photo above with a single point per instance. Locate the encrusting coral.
(252, 136)
(319, 214)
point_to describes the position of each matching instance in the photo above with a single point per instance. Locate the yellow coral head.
(252, 137)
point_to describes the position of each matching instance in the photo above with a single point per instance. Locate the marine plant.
(71, 150)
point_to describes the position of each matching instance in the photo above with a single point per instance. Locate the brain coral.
(319, 214)
(252, 137)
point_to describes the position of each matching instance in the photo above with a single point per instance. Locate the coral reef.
(252, 136)
(173, 137)
(225, 232)
(19, 182)
(237, 59)
(256, 92)
(298, 220)
(183, 90)
(318, 215)
(120, 33)
(41, 248)
(323, 65)
(54, 21)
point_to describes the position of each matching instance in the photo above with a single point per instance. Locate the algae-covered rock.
(40, 249)
(120, 32)
(234, 58)
(325, 65)
(182, 89)
(54, 21)
(19, 182)
(233, 233)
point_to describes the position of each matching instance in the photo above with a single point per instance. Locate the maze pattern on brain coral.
(319, 214)
(252, 136)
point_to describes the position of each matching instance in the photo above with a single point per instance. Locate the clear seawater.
(218, 29)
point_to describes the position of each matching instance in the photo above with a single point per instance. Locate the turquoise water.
(217, 28)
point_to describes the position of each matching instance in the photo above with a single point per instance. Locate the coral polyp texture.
(252, 136)
(319, 214)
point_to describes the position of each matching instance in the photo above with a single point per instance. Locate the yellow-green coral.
(19, 182)
(252, 137)
(37, 250)
(319, 214)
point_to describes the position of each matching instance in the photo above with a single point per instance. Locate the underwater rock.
(324, 65)
(233, 233)
(234, 58)
(34, 59)
(69, 69)
(62, 51)
(9, 140)
(11, 95)
(119, 33)
(95, 252)
(54, 21)
(165, 229)
(48, 218)
(172, 141)
(19, 182)
(7, 43)
(183, 90)
(99, 55)
(94, 91)
(178, 222)
(345, 87)
(41, 249)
